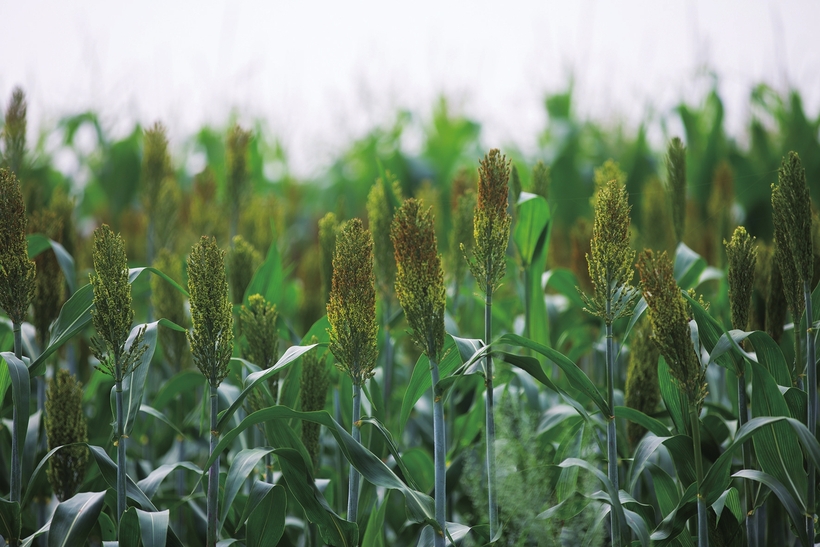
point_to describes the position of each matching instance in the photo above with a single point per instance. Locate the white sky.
(320, 73)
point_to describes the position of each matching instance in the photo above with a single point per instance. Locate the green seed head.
(156, 165)
(17, 272)
(313, 385)
(379, 217)
(541, 180)
(462, 233)
(14, 131)
(641, 391)
(66, 424)
(776, 305)
(242, 261)
(676, 173)
(609, 171)
(212, 336)
(791, 204)
(169, 303)
(112, 314)
(610, 258)
(669, 315)
(328, 229)
(257, 321)
(742, 255)
(237, 163)
(63, 206)
(351, 310)
(657, 232)
(49, 286)
(419, 277)
(784, 255)
(491, 223)
(515, 183)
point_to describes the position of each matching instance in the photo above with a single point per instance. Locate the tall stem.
(121, 462)
(353, 486)
(611, 431)
(811, 380)
(213, 472)
(16, 468)
(490, 420)
(337, 415)
(703, 523)
(746, 448)
(440, 454)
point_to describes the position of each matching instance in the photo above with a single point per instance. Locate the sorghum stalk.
(742, 256)
(351, 313)
(17, 282)
(211, 343)
(669, 315)
(112, 319)
(420, 290)
(491, 231)
(610, 269)
(791, 204)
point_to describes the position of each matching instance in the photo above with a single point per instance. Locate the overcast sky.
(320, 73)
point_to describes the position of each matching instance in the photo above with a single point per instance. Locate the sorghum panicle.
(328, 229)
(742, 254)
(49, 286)
(65, 424)
(17, 272)
(313, 385)
(242, 260)
(676, 173)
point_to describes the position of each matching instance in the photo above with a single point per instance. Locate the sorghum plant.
(791, 204)
(669, 314)
(257, 321)
(237, 165)
(66, 424)
(313, 384)
(14, 132)
(211, 343)
(641, 391)
(17, 286)
(676, 173)
(610, 269)
(328, 229)
(112, 319)
(491, 231)
(420, 290)
(242, 261)
(156, 166)
(351, 313)
(742, 255)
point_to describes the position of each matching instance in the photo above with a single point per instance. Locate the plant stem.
(388, 357)
(337, 415)
(121, 463)
(703, 524)
(811, 379)
(353, 486)
(489, 418)
(746, 448)
(213, 472)
(611, 431)
(440, 455)
(16, 468)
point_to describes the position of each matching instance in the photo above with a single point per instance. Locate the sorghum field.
(601, 344)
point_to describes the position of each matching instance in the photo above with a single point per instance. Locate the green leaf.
(611, 496)
(419, 505)
(673, 397)
(10, 522)
(374, 533)
(153, 527)
(675, 522)
(20, 393)
(575, 375)
(129, 529)
(420, 380)
(150, 484)
(268, 279)
(74, 518)
(243, 465)
(253, 380)
(266, 523)
(531, 226)
(688, 266)
(563, 282)
(38, 243)
(793, 507)
(185, 381)
(647, 422)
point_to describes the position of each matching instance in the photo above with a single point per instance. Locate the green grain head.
(257, 321)
(14, 132)
(237, 164)
(610, 170)
(657, 229)
(212, 336)
(610, 258)
(156, 166)
(541, 179)
(112, 315)
(66, 424)
(49, 291)
(491, 223)
(776, 305)
(791, 204)
(641, 391)
(351, 310)
(461, 234)
(63, 206)
(379, 217)
(784, 255)
(676, 174)
(242, 261)
(169, 303)
(419, 277)
(328, 230)
(313, 384)
(17, 272)
(669, 315)
(742, 254)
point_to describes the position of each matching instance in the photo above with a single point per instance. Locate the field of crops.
(601, 344)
